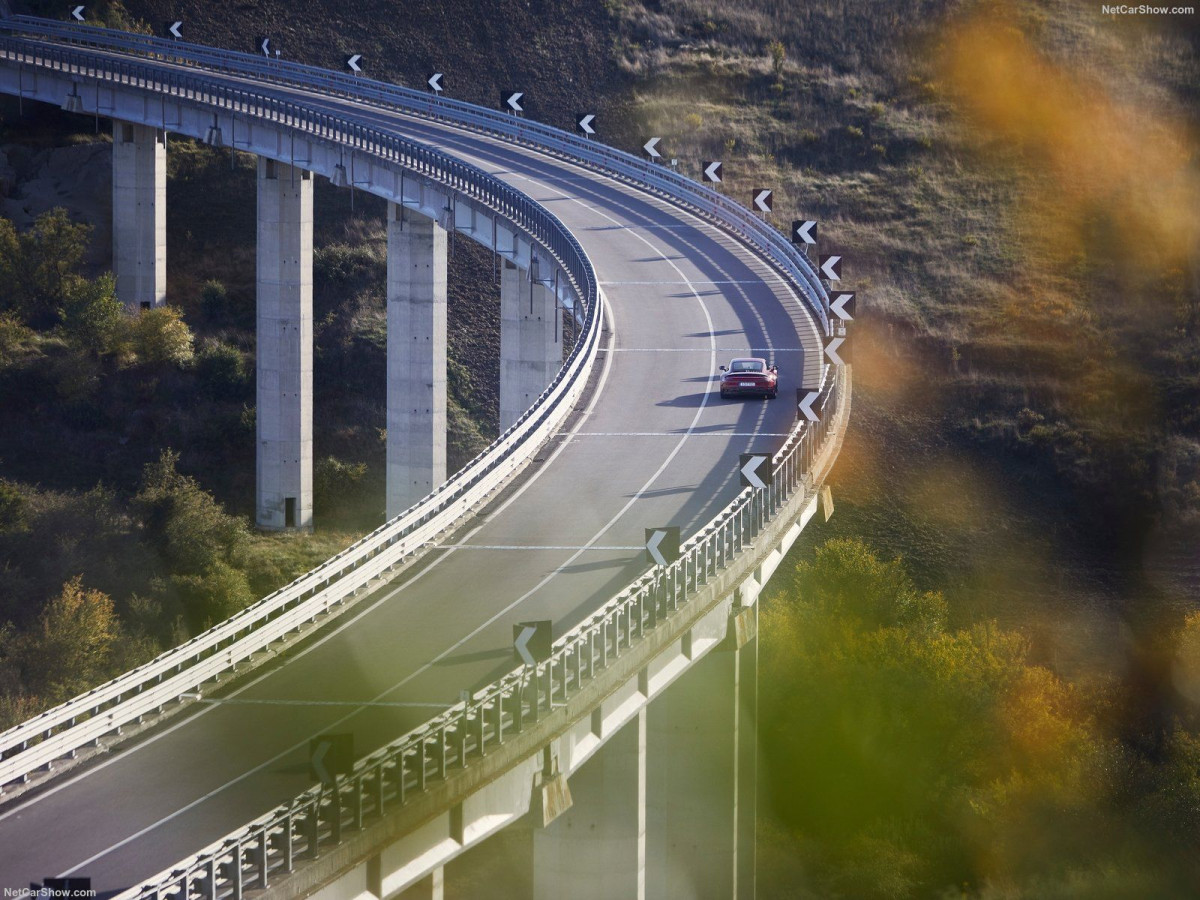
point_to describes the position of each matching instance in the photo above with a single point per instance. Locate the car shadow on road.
(480, 656)
(710, 334)
(686, 401)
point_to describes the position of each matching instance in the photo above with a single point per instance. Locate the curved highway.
(652, 445)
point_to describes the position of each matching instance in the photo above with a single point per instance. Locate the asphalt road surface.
(655, 446)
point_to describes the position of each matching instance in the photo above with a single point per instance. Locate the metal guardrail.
(252, 855)
(61, 731)
(678, 188)
(390, 777)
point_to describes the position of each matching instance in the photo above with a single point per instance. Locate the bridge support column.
(416, 358)
(285, 335)
(531, 350)
(700, 800)
(139, 236)
(431, 887)
(597, 849)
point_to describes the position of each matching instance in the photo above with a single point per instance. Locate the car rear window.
(745, 365)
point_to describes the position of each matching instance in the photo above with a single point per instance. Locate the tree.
(847, 581)
(183, 522)
(37, 265)
(71, 648)
(339, 487)
(221, 370)
(161, 337)
(213, 595)
(778, 55)
(214, 299)
(12, 507)
(91, 313)
(906, 759)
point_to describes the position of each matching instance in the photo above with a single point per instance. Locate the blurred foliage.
(909, 760)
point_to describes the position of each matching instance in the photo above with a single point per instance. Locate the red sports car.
(752, 377)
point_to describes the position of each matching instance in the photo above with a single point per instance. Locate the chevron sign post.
(809, 405)
(763, 200)
(842, 306)
(533, 641)
(585, 123)
(756, 470)
(511, 101)
(662, 545)
(712, 172)
(830, 266)
(804, 231)
(330, 755)
(836, 351)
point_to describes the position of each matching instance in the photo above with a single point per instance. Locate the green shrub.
(12, 507)
(214, 299)
(184, 523)
(213, 595)
(221, 371)
(339, 488)
(160, 337)
(35, 266)
(92, 316)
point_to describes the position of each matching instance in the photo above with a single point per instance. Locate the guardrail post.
(261, 859)
(358, 801)
(461, 735)
(235, 871)
(312, 828)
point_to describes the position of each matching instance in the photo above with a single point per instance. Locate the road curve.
(655, 445)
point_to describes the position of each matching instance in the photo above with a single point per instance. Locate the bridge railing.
(394, 775)
(391, 777)
(660, 178)
(145, 690)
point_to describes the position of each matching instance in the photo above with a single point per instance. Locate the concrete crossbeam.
(139, 185)
(416, 358)
(285, 342)
(531, 350)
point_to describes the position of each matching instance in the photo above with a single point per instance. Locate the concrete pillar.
(139, 215)
(416, 358)
(431, 887)
(285, 336)
(702, 767)
(597, 849)
(531, 350)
